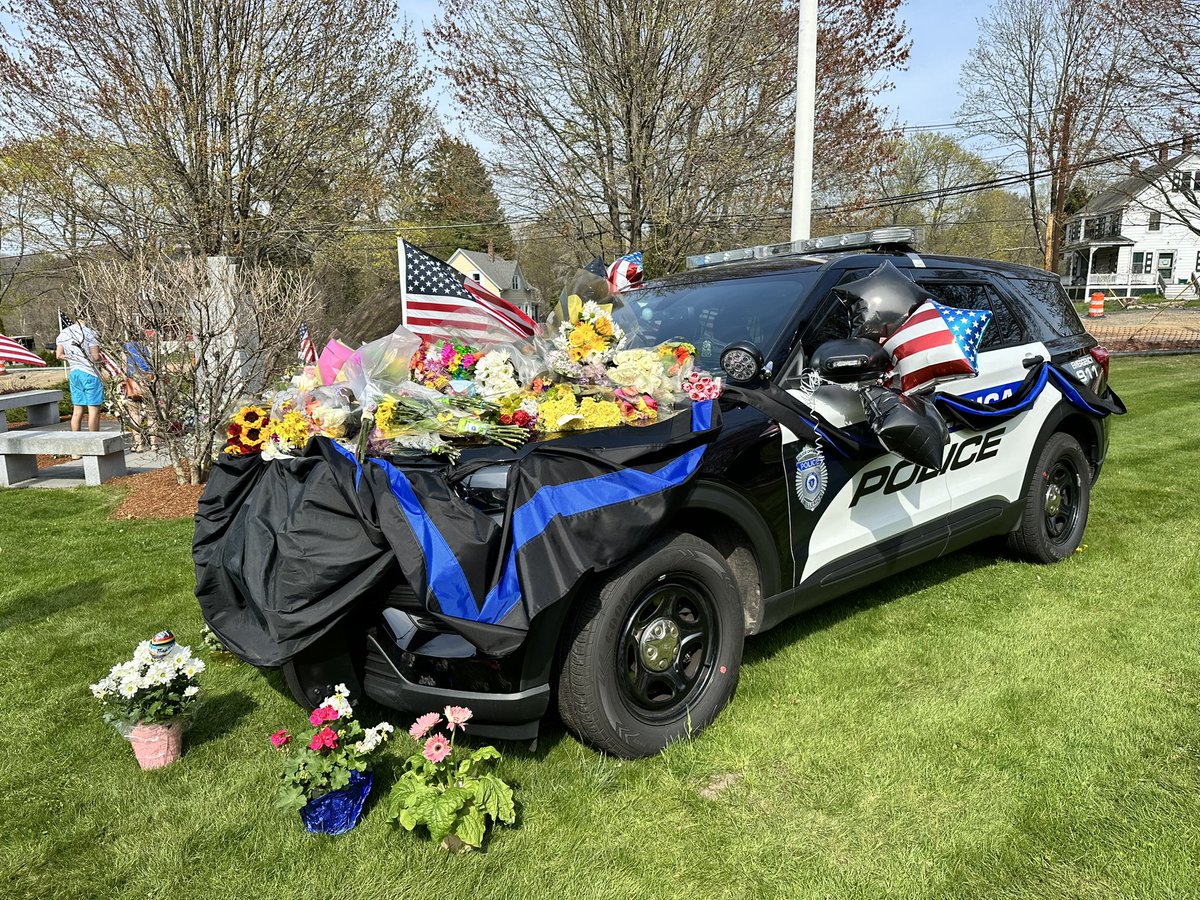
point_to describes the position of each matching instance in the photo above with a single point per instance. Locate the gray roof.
(1121, 192)
(498, 269)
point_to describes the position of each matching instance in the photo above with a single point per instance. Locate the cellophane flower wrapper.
(378, 367)
(338, 811)
(333, 411)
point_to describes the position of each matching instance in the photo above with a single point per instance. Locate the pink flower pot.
(156, 746)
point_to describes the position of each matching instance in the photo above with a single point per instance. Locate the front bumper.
(413, 669)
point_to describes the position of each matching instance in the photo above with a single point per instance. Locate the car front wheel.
(1056, 503)
(654, 651)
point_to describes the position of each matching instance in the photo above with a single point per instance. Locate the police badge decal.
(811, 477)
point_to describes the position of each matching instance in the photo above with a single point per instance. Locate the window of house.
(1155, 222)
(516, 282)
(1143, 263)
(475, 277)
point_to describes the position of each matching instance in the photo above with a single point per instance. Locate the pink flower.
(437, 748)
(279, 738)
(457, 716)
(421, 727)
(323, 714)
(447, 353)
(325, 739)
(468, 361)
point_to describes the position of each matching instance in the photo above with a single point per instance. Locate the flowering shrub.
(336, 746)
(450, 791)
(155, 686)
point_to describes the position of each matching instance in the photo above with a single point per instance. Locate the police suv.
(773, 524)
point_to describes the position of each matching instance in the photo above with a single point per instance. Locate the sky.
(925, 94)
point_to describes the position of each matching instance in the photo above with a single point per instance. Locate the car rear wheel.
(653, 652)
(1056, 503)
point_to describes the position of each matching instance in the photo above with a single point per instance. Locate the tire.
(1056, 503)
(653, 653)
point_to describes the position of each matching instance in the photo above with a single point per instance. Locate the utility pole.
(806, 110)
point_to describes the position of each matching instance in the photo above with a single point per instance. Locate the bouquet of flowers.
(448, 790)
(333, 756)
(440, 363)
(586, 341)
(248, 430)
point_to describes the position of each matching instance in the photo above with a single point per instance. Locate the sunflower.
(252, 436)
(249, 416)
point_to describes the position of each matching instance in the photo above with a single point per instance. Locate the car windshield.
(714, 314)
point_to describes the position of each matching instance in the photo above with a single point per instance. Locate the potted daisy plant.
(147, 698)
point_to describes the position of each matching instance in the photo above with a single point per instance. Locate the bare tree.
(1048, 77)
(220, 127)
(665, 125)
(198, 338)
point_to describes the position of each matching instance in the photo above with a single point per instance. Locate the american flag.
(11, 351)
(435, 296)
(936, 343)
(308, 353)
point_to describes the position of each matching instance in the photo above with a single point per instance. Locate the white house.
(1139, 235)
(499, 275)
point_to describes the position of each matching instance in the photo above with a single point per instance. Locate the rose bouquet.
(147, 697)
(326, 777)
(448, 790)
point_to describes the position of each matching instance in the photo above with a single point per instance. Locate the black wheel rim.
(1061, 501)
(667, 649)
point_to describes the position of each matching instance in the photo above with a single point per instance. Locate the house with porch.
(501, 276)
(1139, 235)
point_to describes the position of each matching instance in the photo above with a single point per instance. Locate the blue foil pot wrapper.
(338, 811)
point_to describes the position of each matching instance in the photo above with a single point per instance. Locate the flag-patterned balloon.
(626, 273)
(161, 643)
(936, 343)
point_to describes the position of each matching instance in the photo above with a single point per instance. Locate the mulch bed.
(156, 495)
(45, 461)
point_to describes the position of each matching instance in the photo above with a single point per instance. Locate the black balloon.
(880, 302)
(908, 426)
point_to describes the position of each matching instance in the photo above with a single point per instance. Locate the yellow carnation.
(599, 413)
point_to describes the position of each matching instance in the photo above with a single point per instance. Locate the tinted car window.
(1051, 311)
(832, 320)
(1003, 331)
(713, 314)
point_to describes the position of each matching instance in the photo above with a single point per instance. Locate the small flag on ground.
(11, 351)
(434, 296)
(936, 343)
(626, 273)
(308, 353)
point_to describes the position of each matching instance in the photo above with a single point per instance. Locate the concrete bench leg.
(17, 467)
(43, 414)
(99, 469)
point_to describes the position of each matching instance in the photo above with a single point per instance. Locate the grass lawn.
(975, 728)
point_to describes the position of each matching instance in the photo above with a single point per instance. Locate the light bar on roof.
(855, 240)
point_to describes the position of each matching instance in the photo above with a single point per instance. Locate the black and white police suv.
(781, 516)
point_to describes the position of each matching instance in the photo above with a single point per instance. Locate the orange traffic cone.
(1096, 307)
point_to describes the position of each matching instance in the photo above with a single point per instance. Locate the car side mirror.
(742, 362)
(851, 360)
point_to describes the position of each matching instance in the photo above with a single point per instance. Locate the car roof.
(850, 259)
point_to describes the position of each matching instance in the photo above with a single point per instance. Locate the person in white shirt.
(79, 346)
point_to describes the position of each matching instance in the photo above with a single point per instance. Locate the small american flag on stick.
(308, 352)
(434, 297)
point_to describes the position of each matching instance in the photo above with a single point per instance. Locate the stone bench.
(103, 453)
(42, 406)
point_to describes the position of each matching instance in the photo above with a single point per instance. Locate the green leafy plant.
(337, 746)
(450, 791)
